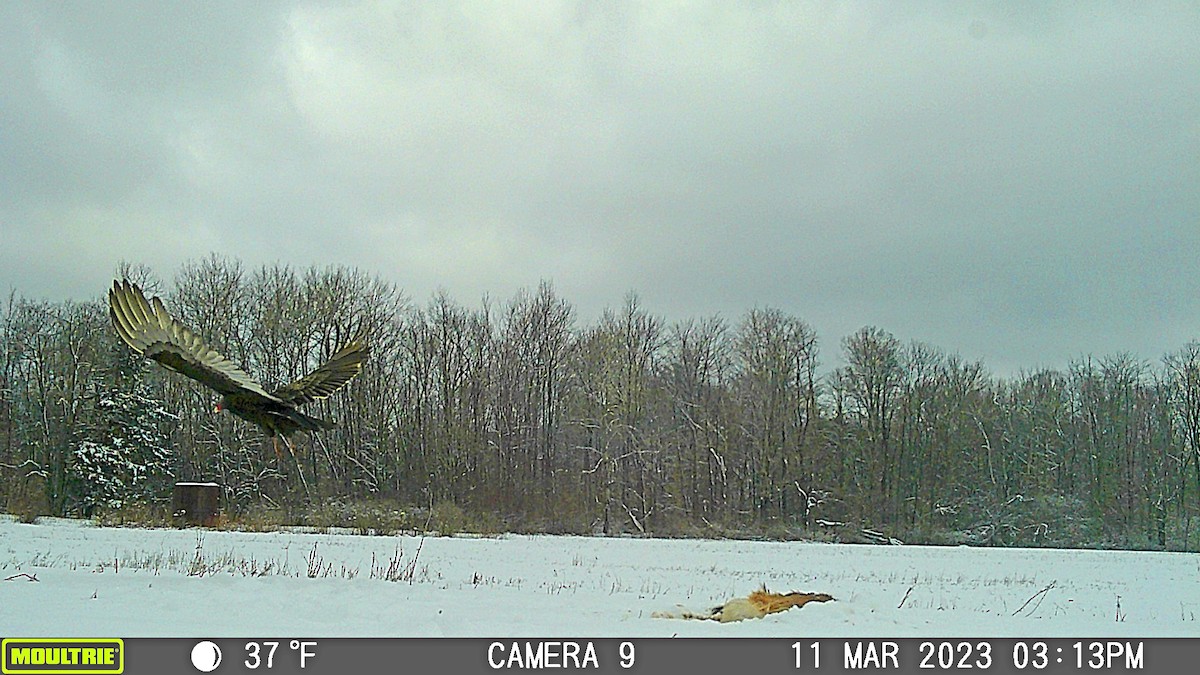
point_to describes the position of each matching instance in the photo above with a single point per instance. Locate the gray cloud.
(1013, 181)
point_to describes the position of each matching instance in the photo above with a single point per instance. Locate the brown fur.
(759, 604)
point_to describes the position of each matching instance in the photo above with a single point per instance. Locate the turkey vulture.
(149, 330)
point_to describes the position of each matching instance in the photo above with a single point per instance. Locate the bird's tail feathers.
(310, 423)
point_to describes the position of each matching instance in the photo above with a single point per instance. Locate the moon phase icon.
(206, 656)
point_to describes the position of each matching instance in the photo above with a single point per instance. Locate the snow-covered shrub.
(123, 457)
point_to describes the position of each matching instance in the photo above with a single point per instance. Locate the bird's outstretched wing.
(149, 330)
(333, 375)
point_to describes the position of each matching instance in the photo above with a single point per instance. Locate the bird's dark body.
(276, 419)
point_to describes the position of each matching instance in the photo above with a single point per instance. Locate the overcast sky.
(1016, 182)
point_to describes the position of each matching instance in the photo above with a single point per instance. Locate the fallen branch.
(1039, 594)
(31, 577)
(910, 589)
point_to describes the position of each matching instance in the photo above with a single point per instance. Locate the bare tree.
(776, 388)
(529, 383)
(873, 378)
(1182, 386)
(618, 359)
(698, 369)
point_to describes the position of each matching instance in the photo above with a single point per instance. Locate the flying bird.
(149, 330)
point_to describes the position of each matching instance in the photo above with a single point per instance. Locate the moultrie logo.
(79, 656)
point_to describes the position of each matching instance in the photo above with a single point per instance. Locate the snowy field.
(184, 583)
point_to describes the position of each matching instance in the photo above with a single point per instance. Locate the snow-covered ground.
(185, 583)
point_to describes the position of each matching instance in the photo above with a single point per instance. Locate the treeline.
(628, 424)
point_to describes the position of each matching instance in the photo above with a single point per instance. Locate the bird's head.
(219, 406)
